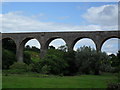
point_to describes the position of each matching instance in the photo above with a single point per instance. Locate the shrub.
(35, 67)
(53, 62)
(18, 67)
(8, 58)
(27, 58)
(114, 86)
(45, 69)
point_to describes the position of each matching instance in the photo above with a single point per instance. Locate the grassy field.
(44, 81)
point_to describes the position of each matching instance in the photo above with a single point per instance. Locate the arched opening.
(84, 42)
(110, 46)
(57, 43)
(8, 52)
(31, 51)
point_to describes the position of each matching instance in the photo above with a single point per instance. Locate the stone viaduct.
(44, 38)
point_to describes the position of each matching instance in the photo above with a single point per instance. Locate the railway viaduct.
(44, 38)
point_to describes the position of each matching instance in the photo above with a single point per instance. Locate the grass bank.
(45, 81)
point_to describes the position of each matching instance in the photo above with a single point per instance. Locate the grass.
(45, 81)
(0, 79)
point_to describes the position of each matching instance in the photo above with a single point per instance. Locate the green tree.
(89, 60)
(27, 58)
(53, 62)
(63, 48)
(8, 58)
(115, 62)
(9, 45)
(71, 61)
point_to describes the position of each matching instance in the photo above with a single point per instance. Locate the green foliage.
(8, 53)
(115, 62)
(9, 45)
(33, 48)
(32, 56)
(18, 67)
(51, 47)
(114, 86)
(63, 48)
(89, 60)
(8, 58)
(27, 58)
(55, 64)
(35, 67)
(71, 61)
(45, 69)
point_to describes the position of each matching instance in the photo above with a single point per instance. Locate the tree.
(71, 61)
(115, 62)
(63, 48)
(8, 58)
(89, 60)
(27, 58)
(83, 59)
(53, 62)
(9, 45)
(51, 47)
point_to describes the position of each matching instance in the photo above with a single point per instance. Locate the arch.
(35, 41)
(107, 39)
(21, 47)
(50, 40)
(11, 39)
(81, 38)
(110, 45)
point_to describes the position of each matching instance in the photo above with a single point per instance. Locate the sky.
(61, 16)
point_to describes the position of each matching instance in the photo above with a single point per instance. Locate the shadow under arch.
(12, 44)
(8, 52)
(81, 38)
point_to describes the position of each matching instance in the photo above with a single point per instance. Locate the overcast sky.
(61, 16)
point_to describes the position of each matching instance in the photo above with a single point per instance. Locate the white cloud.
(106, 15)
(17, 22)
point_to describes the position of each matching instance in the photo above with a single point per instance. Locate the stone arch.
(111, 45)
(107, 38)
(50, 40)
(11, 39)
(21, 47)
(80, 38)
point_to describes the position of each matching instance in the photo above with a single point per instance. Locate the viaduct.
(44, 38)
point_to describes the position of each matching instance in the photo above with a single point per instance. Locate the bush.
(71, 61)
(35, 67)
(90, 61)
(53, 62)
(8, 58)
(114, 86)
(27, 58)
(45, 69)
(18, 67)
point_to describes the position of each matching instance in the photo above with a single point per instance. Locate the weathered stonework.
(44, 38)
